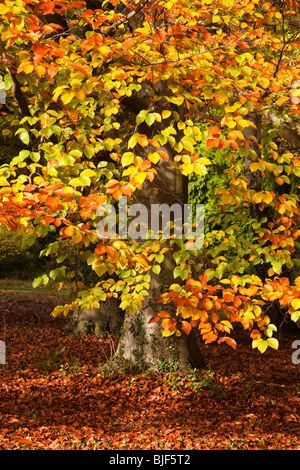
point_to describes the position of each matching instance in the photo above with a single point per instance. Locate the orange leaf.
(212, 143)
(161, 33)
(126, 190)
(230, 341)
(234, 144)
(127, 44)
(163, 314)
(100, 249)
(168, 323)
(112, 185)
(30, 187)
(214, 130)
(255, 334)
(279, 181)
(110, 251)
(26, 441)
(66, 232)
(153, 319)
(215, 317)
(164, 155)
(186, 326)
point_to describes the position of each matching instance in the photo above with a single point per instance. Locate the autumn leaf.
(186, 326)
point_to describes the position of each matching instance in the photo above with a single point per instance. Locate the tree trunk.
(108, 319)
(142, 344)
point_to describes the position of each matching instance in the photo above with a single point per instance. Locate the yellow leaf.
(273, 342)
(27, 68)
(40, 70)
(203, 161)
(296, 304)
(154, 157)
(80, 94)
(4, 9)
(216, 19)
(264, 82)
(199, 169)
(140, 177)
(245, 123)
(67, 96)
(168, 333)
(143, 141)
(230, 123)
(165, 114)
(187, 168)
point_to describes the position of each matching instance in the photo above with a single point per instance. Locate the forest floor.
(53, 398)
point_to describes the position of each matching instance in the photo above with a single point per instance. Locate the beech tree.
(114, 100)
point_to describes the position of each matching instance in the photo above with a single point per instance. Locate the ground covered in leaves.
(53, 398)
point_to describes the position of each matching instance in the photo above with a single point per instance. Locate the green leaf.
(188, 143)
(88, 152)
(177, 271)
(141, 116)
(233, 71)
(36, 282)
(247, 71)
(24, 136)
(132, 308)
(84, 180)
(100, 269)
(150, 119)
(156, 268)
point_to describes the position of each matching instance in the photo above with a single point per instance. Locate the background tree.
(109, 100)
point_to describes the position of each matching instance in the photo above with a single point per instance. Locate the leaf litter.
(53, 396)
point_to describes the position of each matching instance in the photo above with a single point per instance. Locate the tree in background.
(114, 100)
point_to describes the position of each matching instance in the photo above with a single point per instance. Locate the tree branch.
(128, 17)
(18, 94)
(288, 133)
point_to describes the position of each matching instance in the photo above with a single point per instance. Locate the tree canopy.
(104, 98)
